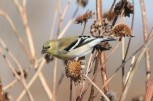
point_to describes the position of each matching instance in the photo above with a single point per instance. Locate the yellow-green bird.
(72, 47)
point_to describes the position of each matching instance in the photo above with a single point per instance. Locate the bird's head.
(47, 47)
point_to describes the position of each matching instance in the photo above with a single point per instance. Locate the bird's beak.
(43, 51)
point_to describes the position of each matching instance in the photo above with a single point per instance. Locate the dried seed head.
(101, 28)
(82, 3)
(73, 70)
(128, 8)
(83, 18)
(111, 95)
(109, 15)
(122, 30)
(106, 45)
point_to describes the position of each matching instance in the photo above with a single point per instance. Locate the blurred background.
(40, 15)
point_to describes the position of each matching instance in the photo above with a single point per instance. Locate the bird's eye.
(48, 47)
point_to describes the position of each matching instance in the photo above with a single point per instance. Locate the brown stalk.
(99, 9)
(103, 70)
(102, 56)
(147, 53)
(100, 91)
(135, 66)
(137, 51)
(149, 91)
(82, 89)
(94, 76)
(91, 97)
(126, 53)
(113, 4)
(71, 85)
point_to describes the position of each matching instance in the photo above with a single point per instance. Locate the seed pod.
(102, 28)
(122, 30)
(84, 17)
(73, 70)
(128, 8)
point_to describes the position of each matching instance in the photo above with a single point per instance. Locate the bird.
(72, 47)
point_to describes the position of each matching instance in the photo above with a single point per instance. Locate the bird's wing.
(81, 40)
(66, 43)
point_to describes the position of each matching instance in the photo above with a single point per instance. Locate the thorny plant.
(79, 71)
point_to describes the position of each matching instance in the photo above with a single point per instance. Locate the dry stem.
(147, 54)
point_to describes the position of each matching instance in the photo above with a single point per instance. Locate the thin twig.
(32, 80)
(113, 4)
(20, 39)
(22, 11)
(123, 57)
(12, 83)
(71, 85)
(147, 54)
(54, 80)
(59, 83)
(84, 27)
(130, 70)
(102, 93)
(115, 72)
(23, 82)
(54, 19)
(91, 97)
(135, 66)
(103, 70)
(62, 16)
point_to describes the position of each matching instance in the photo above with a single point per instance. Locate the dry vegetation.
(82, 80)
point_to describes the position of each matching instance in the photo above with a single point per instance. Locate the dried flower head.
(82, 3)
(83, 18)
(73, 70)
(128, 8)
(111, 95)
(106, 46)
(109, 15)
(101, 28)
(122, 30)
